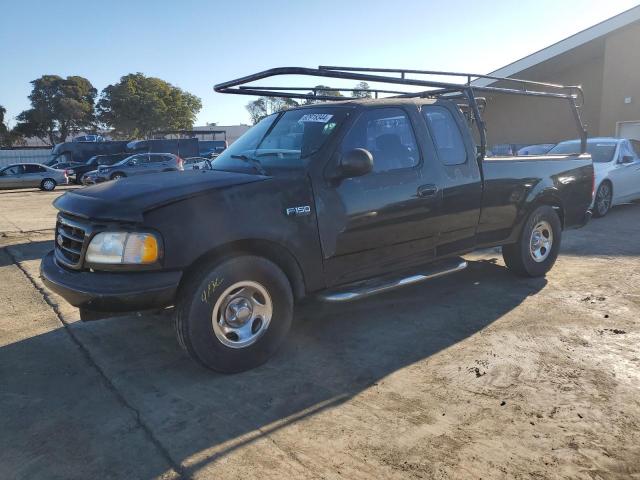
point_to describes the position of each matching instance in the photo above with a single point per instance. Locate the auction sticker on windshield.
(316, 117)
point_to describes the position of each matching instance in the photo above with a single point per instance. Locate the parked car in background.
(616, 162)
(79, 170)
(89, 138)
(70, 168)
(139, 164)
(182, 147)
(538, 149)
(83, 151)
(197, 163)
(24, 175)
(210, 148)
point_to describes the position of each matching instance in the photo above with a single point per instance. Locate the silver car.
(23, 175)
(139, 164)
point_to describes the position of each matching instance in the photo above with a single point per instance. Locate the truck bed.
(511, 183)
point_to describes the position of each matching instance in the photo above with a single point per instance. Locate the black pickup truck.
(337, 200)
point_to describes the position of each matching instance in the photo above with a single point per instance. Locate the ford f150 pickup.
(337, 200)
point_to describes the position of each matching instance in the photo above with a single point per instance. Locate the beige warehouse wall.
(517, 119)
(621, 79)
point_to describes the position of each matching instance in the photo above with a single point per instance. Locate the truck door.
(460, 180)
(381, 221)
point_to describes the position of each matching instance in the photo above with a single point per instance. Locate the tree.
(323, 90)
(59, 107)
(138, 106)
(362, 94)
(4, 131)
(264, 106)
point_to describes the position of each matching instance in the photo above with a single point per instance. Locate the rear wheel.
(537, 248)
(233, 315)
(117, 175)
(48, 184)
(602, 202)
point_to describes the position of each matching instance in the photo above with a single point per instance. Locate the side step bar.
(356, 291)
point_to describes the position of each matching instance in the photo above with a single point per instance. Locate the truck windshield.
(282, 140)
(601, 151)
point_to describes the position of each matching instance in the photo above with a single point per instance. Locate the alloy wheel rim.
(603, 200)
(242, 314)
(541, 241)
(48, 185)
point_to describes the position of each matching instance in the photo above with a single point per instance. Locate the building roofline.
(598, 30)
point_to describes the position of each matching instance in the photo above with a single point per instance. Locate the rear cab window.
(446, 135)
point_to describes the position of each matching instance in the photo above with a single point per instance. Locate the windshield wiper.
(254, 162)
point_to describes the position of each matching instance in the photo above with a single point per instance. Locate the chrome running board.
(356, 291)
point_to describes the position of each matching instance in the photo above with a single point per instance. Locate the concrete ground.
(477, 375)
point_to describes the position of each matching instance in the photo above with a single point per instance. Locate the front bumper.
(110, 291)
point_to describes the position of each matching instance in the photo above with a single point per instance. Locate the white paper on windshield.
(316, 117)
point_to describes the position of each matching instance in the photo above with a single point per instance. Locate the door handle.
(428, 190)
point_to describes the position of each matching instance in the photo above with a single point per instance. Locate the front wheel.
(233, 315)
(602, 201)
(48, 184)
(537, 249)
(117, 176)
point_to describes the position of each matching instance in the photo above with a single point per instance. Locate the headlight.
(131, 248)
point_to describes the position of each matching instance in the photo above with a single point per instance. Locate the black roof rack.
(439, 87)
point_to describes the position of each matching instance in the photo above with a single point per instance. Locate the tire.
(48, 185)
(117, 175)
(534, 256)
(214, 290)
(602, 201)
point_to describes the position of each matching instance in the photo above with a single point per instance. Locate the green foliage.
(364, 90)
(59, 107)
(323, 90)
(264, 106)
(138, 106)
(4, 131)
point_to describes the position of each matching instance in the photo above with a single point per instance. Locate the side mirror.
(626, 159)
(355, 163)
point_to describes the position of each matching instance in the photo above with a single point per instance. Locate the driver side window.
(388, 135)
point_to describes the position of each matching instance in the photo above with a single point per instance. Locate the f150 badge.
(298, 211)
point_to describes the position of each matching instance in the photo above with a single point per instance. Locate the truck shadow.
(333, 353)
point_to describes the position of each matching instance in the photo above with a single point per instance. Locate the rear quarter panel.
(514, 186)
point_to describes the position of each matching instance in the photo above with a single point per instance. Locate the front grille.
(69, 242)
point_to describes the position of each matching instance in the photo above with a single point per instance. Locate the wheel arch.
(268, 249)
(550, 200)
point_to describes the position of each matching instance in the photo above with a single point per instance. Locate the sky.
(195, 44)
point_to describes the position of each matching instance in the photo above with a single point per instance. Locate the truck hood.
(128, 199)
